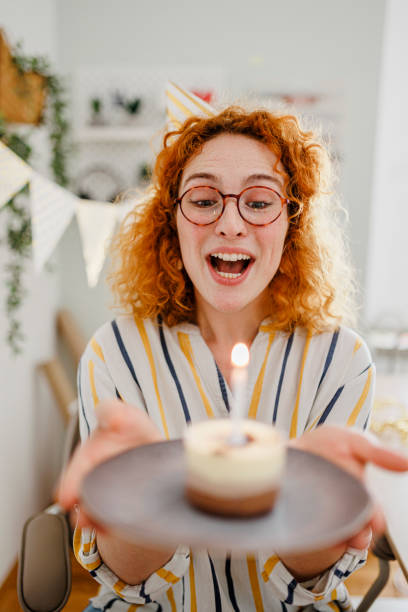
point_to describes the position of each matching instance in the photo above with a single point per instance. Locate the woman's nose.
(231, 223)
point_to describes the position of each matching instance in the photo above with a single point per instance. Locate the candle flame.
(240, 355)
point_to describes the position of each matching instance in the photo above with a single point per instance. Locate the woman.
(237, 243)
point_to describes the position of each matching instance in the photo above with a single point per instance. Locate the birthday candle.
(239, 379)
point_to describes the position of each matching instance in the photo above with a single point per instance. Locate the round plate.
(139, 495)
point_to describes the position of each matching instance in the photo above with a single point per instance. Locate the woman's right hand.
(120, 427)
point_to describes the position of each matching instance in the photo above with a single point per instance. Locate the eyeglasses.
(204, 205)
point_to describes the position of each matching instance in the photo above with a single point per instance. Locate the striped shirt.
(296, 381)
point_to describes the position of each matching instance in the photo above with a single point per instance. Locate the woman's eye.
(203, 203)
(258, 204)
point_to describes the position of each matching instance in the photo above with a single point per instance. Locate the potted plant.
(35, 95)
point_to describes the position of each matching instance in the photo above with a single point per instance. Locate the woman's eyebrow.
(256, 177)
(263, 177)
(201, 175)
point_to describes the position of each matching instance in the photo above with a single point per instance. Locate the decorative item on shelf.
(131, 106)
(144, 174)
(388, 340)
(29, 93)
(99, 182)
(390, 421)
(22, 92)
(96, 110)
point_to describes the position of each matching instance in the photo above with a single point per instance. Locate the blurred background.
(342, 65)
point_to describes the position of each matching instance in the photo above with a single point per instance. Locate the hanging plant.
(49, 87)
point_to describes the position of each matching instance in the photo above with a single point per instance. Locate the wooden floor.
(84, 587)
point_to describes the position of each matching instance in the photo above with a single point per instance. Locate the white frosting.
(216, 466)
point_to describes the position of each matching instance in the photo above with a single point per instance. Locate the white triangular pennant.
(97, 222)
(52, 208)
(14, 174)
(123, 208)
(181, 104)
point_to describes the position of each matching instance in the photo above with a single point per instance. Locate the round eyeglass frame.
(237, 197)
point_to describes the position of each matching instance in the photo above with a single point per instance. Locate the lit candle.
(239, 379)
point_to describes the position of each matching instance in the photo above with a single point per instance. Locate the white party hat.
(181, 104)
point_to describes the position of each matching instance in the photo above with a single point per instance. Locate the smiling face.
(231, 262)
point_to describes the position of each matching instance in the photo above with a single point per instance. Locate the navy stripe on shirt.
(329, 356)
(291, 588)
(81, 402)
(173, 372)
(365, 369)
(366, 422)
(329, 406)
(184, 591)
(230, 584)
(143, 594)
(223, 388)
(282, 374)
(124, 352)
(217, 595)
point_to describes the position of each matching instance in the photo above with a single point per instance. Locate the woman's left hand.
(351, 450)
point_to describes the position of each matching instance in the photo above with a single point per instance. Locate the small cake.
(233, 475)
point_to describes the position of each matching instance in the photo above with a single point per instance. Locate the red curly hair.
(313, 287)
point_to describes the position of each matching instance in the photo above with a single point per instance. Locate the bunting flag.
(52, 208)
(14, 174)
(181, 104)
(97, 223)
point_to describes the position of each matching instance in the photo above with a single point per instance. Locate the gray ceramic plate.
(139, 495)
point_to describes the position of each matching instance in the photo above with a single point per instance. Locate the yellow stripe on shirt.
(256, 395)
(149, 353)
(253, 578)
(170, 597)
(269, 567)
(334, 606)
(167, 576)
(87, 546)
(91, 370)
(118, 587)
(193, 594)
(357, 345)
(185, 346)
(97, 349)
(77, 544)
(314, 422)
(357, 408)
(294, 422)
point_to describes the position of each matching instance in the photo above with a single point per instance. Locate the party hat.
(181, 104)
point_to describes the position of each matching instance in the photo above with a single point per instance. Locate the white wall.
(268, 45)
(30, 428)
(388, 251)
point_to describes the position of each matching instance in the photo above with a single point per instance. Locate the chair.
(44, 569)
(383, 552)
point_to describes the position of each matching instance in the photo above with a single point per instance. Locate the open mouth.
(230, 265)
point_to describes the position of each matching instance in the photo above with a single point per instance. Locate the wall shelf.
(116, 133)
